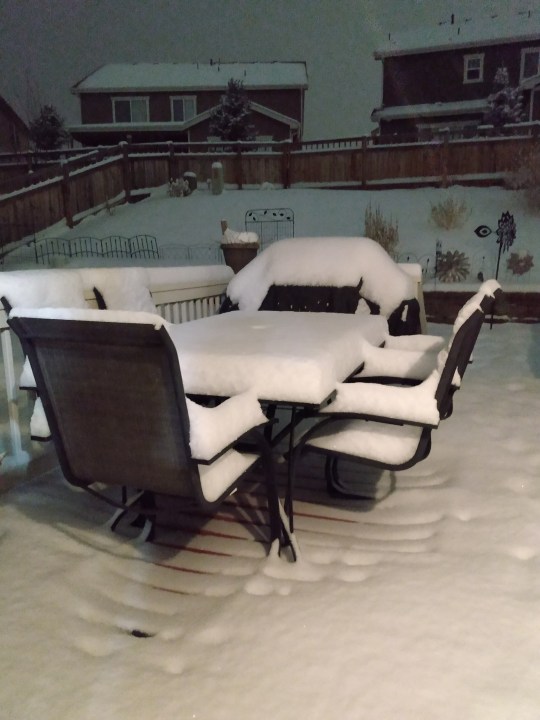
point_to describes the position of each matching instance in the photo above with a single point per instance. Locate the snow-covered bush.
(450, 213)
(383, 231)
(505, 103)
(230, 120)
(47, 130)
(520, 263)
(178, 188)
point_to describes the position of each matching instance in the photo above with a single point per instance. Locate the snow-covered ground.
(423, 603)
(195, 220)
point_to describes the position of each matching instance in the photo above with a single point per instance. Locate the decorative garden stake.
(506, 234)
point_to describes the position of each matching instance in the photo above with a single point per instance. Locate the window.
(530, 63)
(473, 68)
(130, 110)
(183, 108)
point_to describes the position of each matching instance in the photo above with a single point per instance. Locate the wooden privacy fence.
(109, 175)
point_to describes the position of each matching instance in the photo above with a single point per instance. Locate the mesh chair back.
(113, 397)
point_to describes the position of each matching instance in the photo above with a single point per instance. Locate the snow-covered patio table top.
(284, 356)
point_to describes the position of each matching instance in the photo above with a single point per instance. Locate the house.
(14, 133)
(155, 102)
(440, 78)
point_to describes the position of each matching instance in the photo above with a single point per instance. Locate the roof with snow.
(126, 77)
(464, 32)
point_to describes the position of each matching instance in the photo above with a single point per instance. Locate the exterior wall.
(13, 135)
(97, 108)
(438, 76)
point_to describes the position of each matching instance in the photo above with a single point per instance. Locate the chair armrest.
(213, 430)
(399, 364)
(416, 343)
(410, 405)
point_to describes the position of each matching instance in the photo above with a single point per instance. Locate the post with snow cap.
(126, 169)
(66, 194)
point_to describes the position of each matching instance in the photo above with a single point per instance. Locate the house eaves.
(176, 126)
(401, 112)
(285, 119)
(465, 33)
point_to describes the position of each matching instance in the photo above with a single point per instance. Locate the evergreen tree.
(47, 129)
(505, 103)
(230, 120)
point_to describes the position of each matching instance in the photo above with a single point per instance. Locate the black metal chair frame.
(103, 385)
(457, 360)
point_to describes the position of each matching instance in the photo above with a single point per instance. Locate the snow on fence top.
(324, 261)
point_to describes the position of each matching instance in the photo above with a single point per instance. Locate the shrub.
(520, 263)
(450, 213)
(47, 129)
(383, 231)
(452, 266)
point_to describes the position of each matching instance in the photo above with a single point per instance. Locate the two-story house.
(154, 102)
(440, 77)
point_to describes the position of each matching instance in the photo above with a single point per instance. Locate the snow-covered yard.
(195, 220)
(421, 603)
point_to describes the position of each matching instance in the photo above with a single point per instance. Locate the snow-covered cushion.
(121, 288)
(415, 343)
(212, 429)
(39, 427)
(220, 475)
(412, 404)
(392, 444)
(43, 288)
(89, 314)
(405, 364)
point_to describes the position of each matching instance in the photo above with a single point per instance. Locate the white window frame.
(183, 98)
(130, 98)
(524, 53)
(467, 60)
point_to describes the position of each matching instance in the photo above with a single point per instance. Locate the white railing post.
(17, 456)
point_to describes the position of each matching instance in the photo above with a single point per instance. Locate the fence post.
(66, 195)
(173, 172)
(286, 165)
(444, 161)
(364, 162)
(126, 170)
(239, 168)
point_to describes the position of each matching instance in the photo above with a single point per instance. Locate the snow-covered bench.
(331, 274)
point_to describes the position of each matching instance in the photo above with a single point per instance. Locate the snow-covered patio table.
(286, 357)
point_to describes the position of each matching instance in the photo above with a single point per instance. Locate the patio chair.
(113, 396)
(386, 426)
(409, 359)
(344, 275)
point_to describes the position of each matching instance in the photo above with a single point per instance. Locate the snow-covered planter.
(239, 248)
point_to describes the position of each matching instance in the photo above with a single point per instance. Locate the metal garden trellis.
(506, 234)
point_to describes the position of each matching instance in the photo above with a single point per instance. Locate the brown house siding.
(438, 76)
(97, 108)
